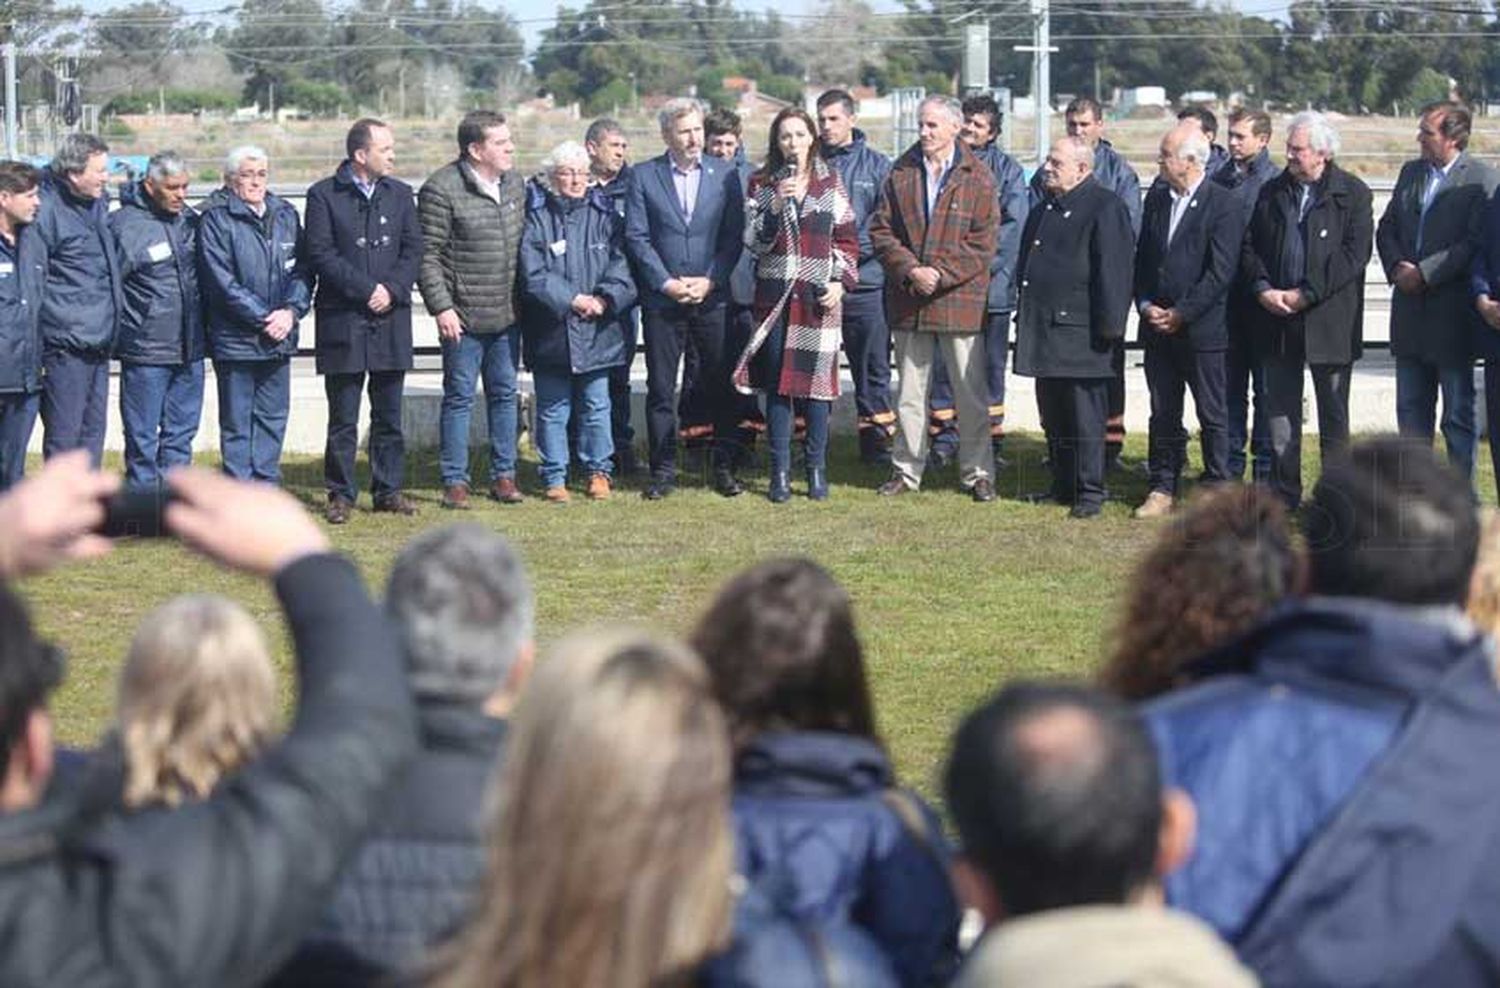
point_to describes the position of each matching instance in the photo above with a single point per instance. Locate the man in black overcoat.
(364, 244)
(1304, 257)
(1184, 263)
(1073, 299)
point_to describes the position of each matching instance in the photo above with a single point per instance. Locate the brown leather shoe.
(505, 491)
(894, 488)
(599, 487)
(456, 497)
(558, 495)
(396, 504)
(1158, 504)
(338, 511)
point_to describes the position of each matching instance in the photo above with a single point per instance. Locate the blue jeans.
(159, 408)
(17, 417)
(75, 401)
(494, 358)
(253, 399)
(1417, 387)
(556, 396)
(780, 415)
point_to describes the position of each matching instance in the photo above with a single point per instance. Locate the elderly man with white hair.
(255, 288)
(1072, 304)
(576, 294)
(1185, 261)
(934, 231)
(1304, 256)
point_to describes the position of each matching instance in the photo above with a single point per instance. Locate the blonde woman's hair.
(608, 826)
(197, 699)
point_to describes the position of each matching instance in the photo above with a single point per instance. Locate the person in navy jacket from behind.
(256, 287)
(23, 275)
(82, 303)
(1341, 754)
(816, 810)
(1188, 253)
(684, 225)
(161, 340)
(364, 245)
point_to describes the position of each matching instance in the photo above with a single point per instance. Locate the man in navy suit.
(684, 220)
(1184, 263)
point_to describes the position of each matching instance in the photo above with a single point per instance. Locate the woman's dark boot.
(817, 483)
(780, 491)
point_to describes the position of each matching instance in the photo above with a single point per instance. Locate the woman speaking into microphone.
(800, 228)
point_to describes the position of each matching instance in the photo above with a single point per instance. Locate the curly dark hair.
(1214, 571)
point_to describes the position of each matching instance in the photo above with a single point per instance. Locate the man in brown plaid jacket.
(935, 232)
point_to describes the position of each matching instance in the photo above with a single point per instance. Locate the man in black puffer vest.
(462, 605)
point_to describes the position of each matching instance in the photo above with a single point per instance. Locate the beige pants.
(964, 357)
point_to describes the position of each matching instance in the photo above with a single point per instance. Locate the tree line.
(413, 57)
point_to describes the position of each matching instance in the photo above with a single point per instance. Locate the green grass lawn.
(953, 598)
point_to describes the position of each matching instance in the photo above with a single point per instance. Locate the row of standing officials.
(1243, 277)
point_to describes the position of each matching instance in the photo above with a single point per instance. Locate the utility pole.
(1041, 75)
(9, 50)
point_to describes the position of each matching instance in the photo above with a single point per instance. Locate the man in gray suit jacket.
(1426, 239)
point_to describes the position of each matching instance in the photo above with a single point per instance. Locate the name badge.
(159, 251)
(6, 269)
(558, 248)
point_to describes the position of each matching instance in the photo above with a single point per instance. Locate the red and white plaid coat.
(798, 251)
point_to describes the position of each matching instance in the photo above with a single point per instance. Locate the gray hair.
(74, 152)
(679, 107)
(1079, 147)
(164, 165)
(1320, 133)
(602, 128)
(1194, 145)
(568, 154)
(242, 154)
(462, 605)
(947, 104)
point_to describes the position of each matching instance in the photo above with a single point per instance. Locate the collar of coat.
(344, 175)
(1335, 183)
(508, 179)
(966, 163)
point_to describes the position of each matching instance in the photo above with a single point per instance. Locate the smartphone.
(137, 512)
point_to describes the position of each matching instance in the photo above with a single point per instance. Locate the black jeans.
(387, 444)
(667, 332)
(1173, 366)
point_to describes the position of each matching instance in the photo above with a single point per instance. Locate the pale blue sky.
(537, 15)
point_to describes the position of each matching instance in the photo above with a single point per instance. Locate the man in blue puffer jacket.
(256, 287)
(23, 275)
(82, 302)
(1344, 768)
(161, 326)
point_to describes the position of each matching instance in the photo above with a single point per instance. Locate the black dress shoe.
(727, 484)
(983, 490)
(893, 488)
(659, 489)
(1085, 509)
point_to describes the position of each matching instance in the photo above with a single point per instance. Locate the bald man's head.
(1058, 798)
(1070, 161)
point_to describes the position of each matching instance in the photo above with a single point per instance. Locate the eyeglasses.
(566, 173)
